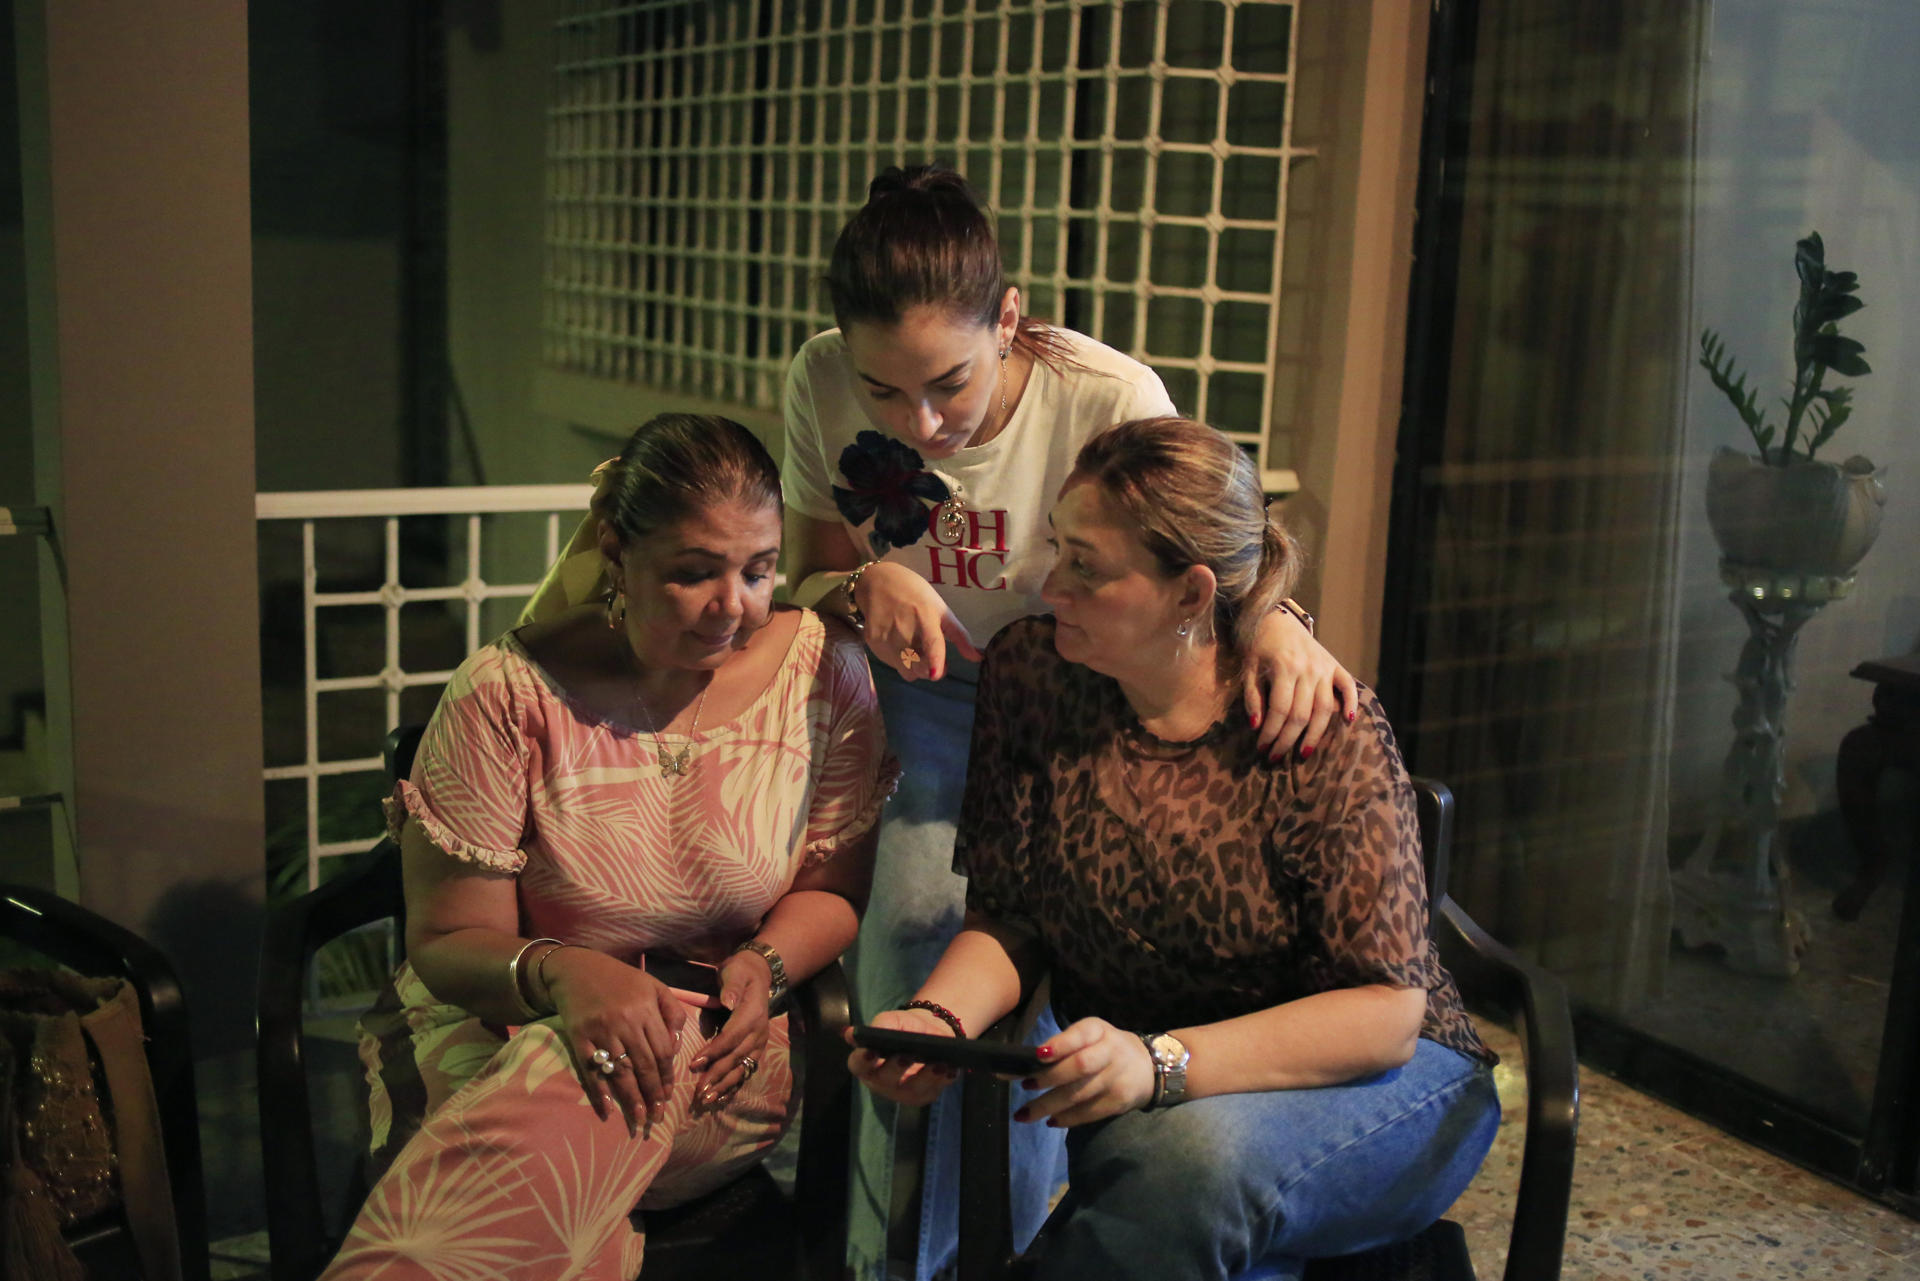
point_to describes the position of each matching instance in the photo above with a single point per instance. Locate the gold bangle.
(517, 985)
(542, 985)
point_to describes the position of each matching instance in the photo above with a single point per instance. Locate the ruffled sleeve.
(468, 788)
(857, 774)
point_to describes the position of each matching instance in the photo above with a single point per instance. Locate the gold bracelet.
(854, 617)
(517, 986)
(541, 983)
(1291, 606)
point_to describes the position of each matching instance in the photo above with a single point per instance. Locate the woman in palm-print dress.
(683, 770)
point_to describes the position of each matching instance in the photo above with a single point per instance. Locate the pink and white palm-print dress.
(511, 1174)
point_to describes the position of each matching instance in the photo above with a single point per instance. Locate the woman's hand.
(1293, 687)
(1098, 1071)
(721, 1069)
(908, 626)
(605, 1004)
(902, 1079)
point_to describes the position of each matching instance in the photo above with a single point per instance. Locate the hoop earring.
(1181, 631)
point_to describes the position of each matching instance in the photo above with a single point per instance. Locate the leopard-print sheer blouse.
(1176, 884)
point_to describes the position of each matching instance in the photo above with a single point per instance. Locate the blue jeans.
(1246, 1185)
(913, 913)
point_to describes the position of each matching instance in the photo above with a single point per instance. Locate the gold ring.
(908, 657)
(748, 1066)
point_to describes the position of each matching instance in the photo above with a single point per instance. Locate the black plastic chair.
(748, 1227)
(90, 944)
(1492, 979)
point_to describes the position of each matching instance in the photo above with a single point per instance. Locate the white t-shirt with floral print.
(988, 570)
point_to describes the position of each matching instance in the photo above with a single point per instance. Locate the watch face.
(1167, 1050)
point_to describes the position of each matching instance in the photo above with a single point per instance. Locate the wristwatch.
(777, 989)
(1169, 1057)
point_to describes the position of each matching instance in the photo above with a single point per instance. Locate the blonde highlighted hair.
(1194, 498)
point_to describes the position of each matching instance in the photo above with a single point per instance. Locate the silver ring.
(748, 1065)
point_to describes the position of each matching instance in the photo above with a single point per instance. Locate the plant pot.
(1809, 517)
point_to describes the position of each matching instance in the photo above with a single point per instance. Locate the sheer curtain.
(1546, 606)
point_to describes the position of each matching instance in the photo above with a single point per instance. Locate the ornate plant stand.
(1732, 890)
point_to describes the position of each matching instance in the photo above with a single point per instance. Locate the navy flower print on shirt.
(889, 482)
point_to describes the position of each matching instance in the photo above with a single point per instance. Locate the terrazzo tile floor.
(1660, 1196)
(1657, 1196)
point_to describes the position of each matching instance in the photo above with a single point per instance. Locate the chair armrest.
(1489, 973)
(294, 932)
(91, 944)
(819, 1013)
(986, 1241)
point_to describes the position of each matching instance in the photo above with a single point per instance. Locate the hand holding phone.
(965, 1053)
(694, 983)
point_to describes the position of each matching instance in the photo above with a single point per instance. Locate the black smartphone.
(952, 1051)
(693, 982)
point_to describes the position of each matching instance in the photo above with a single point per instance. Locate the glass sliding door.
(1643, 718)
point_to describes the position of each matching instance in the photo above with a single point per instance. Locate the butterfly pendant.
(953, 519)
(675, 764)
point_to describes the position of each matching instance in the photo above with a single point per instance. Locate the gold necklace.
(672, 764)
(953, 511)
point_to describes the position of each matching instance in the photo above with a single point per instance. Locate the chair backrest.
(89, 943)
(368, 892)
(1434, 801)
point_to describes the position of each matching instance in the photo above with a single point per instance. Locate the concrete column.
(134, 139)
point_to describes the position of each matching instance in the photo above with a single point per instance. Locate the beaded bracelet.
(940, 1012)
(851, 584)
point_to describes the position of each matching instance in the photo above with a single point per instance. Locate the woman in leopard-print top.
(1120, 832)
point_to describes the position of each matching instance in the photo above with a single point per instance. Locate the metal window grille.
(702, 156)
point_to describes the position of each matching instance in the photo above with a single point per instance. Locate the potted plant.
(1783, 510)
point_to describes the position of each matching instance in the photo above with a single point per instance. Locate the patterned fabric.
(1176, 884)
(511, 1173)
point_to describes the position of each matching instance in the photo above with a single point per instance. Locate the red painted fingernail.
(1253, 720)
(1045, 1052)
(1023, 1113)
(1350, 716)
(1305, 751)
(1031, 1083)
(1053, 1122)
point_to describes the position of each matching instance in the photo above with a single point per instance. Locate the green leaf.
(1841, 354)
(1834, 307)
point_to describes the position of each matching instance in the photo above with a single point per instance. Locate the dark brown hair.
(675, 465)
(1194, 498)
(923, 239)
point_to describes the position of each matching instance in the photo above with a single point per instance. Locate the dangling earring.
(1181, 631)
(616, 608)
(1003, 387)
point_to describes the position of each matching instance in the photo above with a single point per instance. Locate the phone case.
(961, 1052)
(693, 983)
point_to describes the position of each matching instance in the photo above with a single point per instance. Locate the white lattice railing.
(560, 503)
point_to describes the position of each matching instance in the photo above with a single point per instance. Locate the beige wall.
(1344, 301)
(497, 76)
(135, 142)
